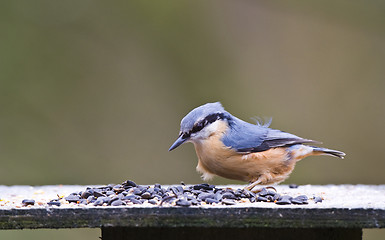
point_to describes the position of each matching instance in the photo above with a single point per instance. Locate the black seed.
(98, 202)
(143, 188)
(188, 196)
(243, 195)
(152, 201)
(129, 183)
(270, 198)
(137, 191)
(276, 197)
(261, 199)
(317, 199)
(228, 201)
(204, 196)
(220, 190)
(284, 200)
(54, 203)
(297, 201)
(302, 197)
(176, 190)
(87, 193)
(72, 198)
(146, 195)
(204, 186)
(180, 189)
(109, 193)
(293, 185)
(113, 200)
(228, 190)
(135, 201)
(118, 188)
(238, 192)
(211, 200)
(271, 192)
(27, 202)
(167, 198)
(157, 196)
(196, 192)
(163, 191)
(183, 203)
(249, 194)
(104, 199)
(98, 194)
(91, 199)
(228, 195)
(263, 192)
(132, 196)
(218, 196)
(117, 203)
(194, 201)
(285, 197)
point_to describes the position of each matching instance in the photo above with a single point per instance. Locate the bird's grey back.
(246, 137)
(242, 135)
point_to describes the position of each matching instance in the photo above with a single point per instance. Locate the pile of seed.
(129, 193)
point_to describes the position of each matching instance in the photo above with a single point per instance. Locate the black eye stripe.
(185, 135)
(207, 120)
(203, 123)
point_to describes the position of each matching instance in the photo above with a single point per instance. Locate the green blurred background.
(93, 92)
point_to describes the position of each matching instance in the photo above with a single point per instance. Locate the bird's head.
(200, 123)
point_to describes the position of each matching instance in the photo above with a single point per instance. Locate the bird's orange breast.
(217, 159)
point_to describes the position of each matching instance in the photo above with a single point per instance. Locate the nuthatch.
(228, 147)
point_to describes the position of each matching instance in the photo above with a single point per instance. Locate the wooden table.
(344, 212)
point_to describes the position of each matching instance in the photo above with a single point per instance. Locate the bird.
(229, 147)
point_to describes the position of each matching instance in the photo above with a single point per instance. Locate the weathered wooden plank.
(191, 217)
(344, 206)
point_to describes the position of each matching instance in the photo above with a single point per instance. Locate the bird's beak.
(178, 142)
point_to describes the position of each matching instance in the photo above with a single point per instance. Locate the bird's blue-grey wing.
(246, 137)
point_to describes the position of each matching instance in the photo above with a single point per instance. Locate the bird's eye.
(198, 126)
(185, 135)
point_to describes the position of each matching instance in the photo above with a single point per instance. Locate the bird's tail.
(326, 151)
(300, 151)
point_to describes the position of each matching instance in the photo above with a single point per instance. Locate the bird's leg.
(255, 183)
(260, 189)
(252, 185)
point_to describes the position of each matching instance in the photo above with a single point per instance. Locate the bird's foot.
(251, 187)
(261, 189)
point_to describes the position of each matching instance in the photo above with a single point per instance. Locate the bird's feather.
(246, 137)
